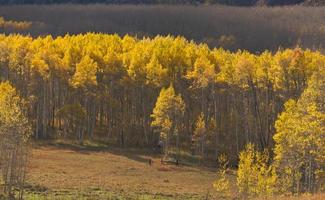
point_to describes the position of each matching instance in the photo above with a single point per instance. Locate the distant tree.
(227, 2)
(284, 2)
(233, 2)
(85, 81)
(200, 134)
(85, 75)
(203, 75)
(73, 117)
(212, 137)
(14, 26)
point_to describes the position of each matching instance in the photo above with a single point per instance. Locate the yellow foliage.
(14, 25)
(255, 177)
(299, 141)
(168, 110)
(222, 184)
(12, 117)
(86, 73)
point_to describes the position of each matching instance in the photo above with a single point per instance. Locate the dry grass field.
(62, 172)
(73, 172)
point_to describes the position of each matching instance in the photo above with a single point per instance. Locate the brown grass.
(68, 170)
(302, 197)
(116, 171)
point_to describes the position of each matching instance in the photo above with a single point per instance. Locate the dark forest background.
(226, 2)
(252, 28)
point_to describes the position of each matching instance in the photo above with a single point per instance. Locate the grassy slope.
(67, 172)
(95, 171)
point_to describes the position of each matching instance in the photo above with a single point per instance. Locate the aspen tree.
(15, 133)
(167, 114)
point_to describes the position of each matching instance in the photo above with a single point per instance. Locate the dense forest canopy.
(91, 85)
(227, 2)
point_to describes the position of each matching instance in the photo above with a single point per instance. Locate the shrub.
(256, 177)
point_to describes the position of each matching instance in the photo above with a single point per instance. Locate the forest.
(136, 92)
(171, 102)
(195, 2)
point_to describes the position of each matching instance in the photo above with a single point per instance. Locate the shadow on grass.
(103, 194)
(140, 155)
(35, 188)
(88, 147)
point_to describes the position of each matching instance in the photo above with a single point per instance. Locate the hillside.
(314, 2)
(62, 171)
(251, 28)
(226, 2)
(65, 171)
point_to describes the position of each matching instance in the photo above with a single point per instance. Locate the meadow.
(101, 172)
(62, 171)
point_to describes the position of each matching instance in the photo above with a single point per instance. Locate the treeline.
(97, 85)
(195, 2)
(14, 25)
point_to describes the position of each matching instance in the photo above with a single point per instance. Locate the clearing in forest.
(69, 172)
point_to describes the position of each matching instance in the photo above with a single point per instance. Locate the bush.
(256, 177)
(222, 185)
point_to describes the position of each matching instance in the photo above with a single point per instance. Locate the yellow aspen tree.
(167, 114)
